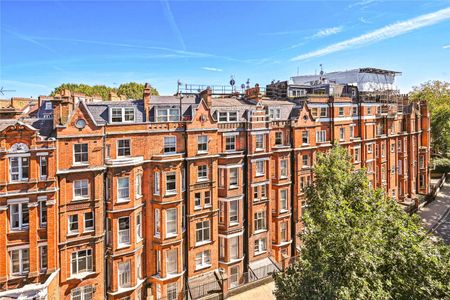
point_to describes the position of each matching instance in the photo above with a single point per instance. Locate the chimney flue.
(147, 96)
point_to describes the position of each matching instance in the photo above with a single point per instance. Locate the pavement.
(263, 292)
(436, 215)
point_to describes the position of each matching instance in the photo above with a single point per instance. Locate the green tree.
(437, 95)
(358, 244)
(133, 90)
(130, 90)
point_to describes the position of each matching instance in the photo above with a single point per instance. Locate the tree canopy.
(437, 95)
(358, 244)
(131, 90)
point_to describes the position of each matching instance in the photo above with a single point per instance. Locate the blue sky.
(46, 43)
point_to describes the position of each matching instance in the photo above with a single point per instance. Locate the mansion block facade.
(152, 198)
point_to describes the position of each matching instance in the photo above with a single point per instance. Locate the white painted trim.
(259, 159)
(229, 236)
(18, 200)
(230, 166)
(260, 183)
(232, 133)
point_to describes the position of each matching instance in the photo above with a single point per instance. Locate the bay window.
(81, 261)
(171, 222)
(124, 231)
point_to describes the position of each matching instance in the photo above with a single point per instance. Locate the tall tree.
(358, 244)
(130, 90)
(437, 95)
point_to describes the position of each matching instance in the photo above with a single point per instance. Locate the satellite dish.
(232, 82)
(242, 86)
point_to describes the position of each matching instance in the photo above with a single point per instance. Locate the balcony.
(124, 161)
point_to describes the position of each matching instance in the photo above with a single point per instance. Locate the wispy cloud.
(212, 69)
(446, 47)
(319, 34)
(173, 24)
(362, 3)
(281, 33)
(383, 33)
(327, 32)
(364, 20)
(29, 39)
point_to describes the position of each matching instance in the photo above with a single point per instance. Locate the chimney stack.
(147, 95)
(207, 96)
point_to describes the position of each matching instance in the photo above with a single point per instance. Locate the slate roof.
(44, 126)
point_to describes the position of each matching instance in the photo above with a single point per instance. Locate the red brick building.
(186, 194)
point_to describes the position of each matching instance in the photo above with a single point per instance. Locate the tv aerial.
(3, 91)
(232, 83)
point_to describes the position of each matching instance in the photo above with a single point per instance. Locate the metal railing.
(197, 291)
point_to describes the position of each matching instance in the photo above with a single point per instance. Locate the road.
(436, 215)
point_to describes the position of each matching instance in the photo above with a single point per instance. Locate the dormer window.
(122, 114)
(228, 116)
(275, 113)
(167, 115)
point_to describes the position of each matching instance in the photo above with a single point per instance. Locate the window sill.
(90, 230)
(197, 207)
(171, 235)
(123, 246)
(260, 253)
(170, 193)
(18, 230)
(123, 200)
(202, 152)
(71, 234)
(80, 198)
(260, 231)
(207, 206)
(18, 276)
(234, 224)
(283, 177)
(75, 165)
(202, 179)
(198, 244)
(197, 268)
(233, 187)
(80, 276)
(259, 175)
(283, 211)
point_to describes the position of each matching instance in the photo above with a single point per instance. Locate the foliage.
(357, 244)
(437, 95)
(131, 90)
(441, 165)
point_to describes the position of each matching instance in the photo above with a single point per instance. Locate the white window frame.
(234, 212)
(283, 200)
(234, 178)
(260, 246)
(260, 221)
(230, 143)
(81, 185)
(283, 168)
(123, 192)
(202, 172)
(139, 220)
(75, 257)
(156, 183)
(342, 133)
(170, 145)
(170, 114)
(21, 167)
(138, 186)
(157, 217)
(260, 167)
(172, 291)
(42, 214)
(207, 199)
(174, 222)
(321, 136)
(234, 247)
(124, 113)
(43, 167)
(203, 260)
(259, 142)
(202, 232)
(82, 153)
(43, 256)
(174, 181)
(305, 136)
(82, 293)
(71, 220)
(172, 262)
(124, 146)
(124, 274)
(227, 116)
(22, 225)
(278, 138)
(123, 235)
(24, 262)
(86, 219)
(202, 144)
